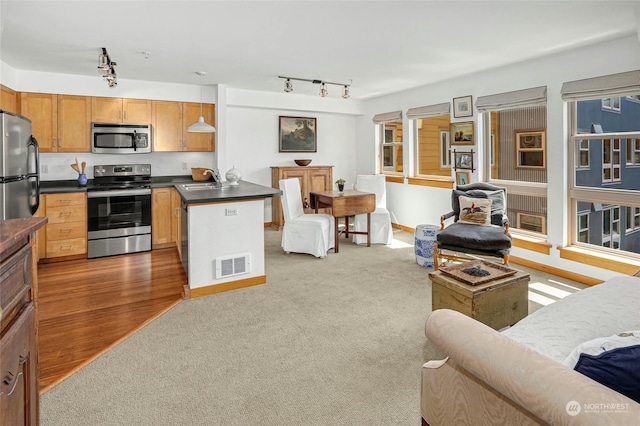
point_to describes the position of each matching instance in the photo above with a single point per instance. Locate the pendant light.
(201, 126)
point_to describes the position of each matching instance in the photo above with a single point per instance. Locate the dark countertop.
(243, 191)
(58, 186)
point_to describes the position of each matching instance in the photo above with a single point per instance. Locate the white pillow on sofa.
(475, 211)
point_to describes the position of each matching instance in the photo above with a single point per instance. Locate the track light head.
(288, 87)
(323, 90)
(345, 92)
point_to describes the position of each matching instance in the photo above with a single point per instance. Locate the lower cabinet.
(165, 217)
(66, 233)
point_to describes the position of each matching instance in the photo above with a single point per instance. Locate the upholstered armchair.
(480, 225)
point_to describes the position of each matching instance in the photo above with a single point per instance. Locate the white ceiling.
(382, 46)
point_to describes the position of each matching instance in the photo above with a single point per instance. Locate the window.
(611, 227)
(431, 140)
(610, 160)
(515, 149)
(583, 154)
(583, 227)
(390, 137)
(633, 152)
(605, 197)
(633, 219)
(392, 146)
(611, 104)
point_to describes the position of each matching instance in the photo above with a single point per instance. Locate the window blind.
(622, 84)
(429, 111)
(387, 117)
(535, 96)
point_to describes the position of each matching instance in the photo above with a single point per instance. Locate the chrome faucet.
(214, 174)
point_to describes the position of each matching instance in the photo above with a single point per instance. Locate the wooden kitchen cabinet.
(167, 125)
(19, 403)
(170, 123)
(176, 225)
(120, 110)
(312, 178)
(74, 123)
(161, 218)
(42, 110)
(190, 115)
(8, 99)
(41, 236)
(66, 233)
(60, 123)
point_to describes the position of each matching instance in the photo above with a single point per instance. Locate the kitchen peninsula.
(222, 235)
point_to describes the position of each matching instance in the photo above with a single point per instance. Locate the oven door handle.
(122, 193)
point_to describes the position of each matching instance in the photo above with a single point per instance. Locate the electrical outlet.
(44, 168)
(231, 212)
(184, 165)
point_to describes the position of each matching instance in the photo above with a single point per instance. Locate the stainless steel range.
(119, 210)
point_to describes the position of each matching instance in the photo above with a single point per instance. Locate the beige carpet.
(335, 341)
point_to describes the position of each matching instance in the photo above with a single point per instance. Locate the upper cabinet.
(74, 123)
(118, 110)
(42, 110)
(191, 114)
(8, 99)
(170, 123)
(60, 123)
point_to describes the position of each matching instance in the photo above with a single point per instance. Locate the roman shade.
(622, 84)
(387, 117)
(429, 111)
(535, 96)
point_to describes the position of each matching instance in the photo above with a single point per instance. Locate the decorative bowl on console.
(302, 162)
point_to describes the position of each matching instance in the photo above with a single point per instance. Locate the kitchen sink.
(201, 186)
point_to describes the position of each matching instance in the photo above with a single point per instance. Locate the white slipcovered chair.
(304, 233)
(381, 232)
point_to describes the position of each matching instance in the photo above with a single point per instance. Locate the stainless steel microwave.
(120, 138)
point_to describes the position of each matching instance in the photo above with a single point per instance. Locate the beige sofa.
(516, 376)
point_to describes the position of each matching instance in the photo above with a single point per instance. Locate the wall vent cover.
(233, 265)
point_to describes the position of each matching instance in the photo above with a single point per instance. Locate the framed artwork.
(298, 134)
(463, 160)
(530, 148)
(462, 133)
(462, 107)
(462, 178)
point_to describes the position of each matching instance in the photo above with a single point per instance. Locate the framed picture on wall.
(462, 107)
(462, 178)
(298, 134)
(463, 160)
(462, 133)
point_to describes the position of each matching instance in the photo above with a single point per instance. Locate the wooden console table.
(345, 204)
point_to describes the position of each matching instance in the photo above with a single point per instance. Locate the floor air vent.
(233, 265)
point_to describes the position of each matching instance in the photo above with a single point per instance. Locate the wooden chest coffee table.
(497, 303)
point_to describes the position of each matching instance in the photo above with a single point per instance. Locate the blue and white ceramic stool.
(425, 239)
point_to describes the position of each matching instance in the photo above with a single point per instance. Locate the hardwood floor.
(87, 306)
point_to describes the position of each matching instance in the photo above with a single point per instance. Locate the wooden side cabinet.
(161, 218)
(66, 233)
(19, 403)
(312, 178)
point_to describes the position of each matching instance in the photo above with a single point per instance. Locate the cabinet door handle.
(7, 380)
(125, 115)
(65, 230)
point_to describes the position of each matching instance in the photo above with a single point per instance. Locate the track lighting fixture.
(323, 90)
(288, 87)
(105, 67)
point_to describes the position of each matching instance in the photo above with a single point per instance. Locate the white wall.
(412, 206)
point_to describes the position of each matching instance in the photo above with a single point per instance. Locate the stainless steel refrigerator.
(19, 167)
